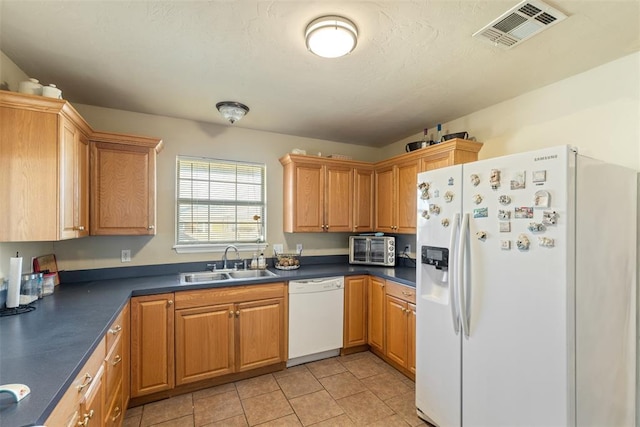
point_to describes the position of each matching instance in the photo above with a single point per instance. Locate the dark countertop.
(46, 348)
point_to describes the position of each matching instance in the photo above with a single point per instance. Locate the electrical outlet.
(278, 248)
(299, 248)
(125, 255)
(407, 248)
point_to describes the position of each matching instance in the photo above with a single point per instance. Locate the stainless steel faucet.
(224, 257)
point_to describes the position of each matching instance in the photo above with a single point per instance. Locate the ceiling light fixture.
(232, 111)
(331, 36)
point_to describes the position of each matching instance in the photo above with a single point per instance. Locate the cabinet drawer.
(67, 408)
(116, 330)
(113, 367)
(115, 410)
(405, 293)
(236, 294)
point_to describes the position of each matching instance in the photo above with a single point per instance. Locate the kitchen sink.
(221, 276)
(251, 274)
(203, 277)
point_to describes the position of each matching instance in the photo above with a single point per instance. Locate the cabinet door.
(376, 313)
(308, 209)
(74, 181)
(406, 193)
(30, 165)
(355, 311)
(339, 199)
(431, 163)
(123, 189)
(204, 343)
(385, 200)
(152, 340)
(260, 333)
(411, 337)
(396, 330)
(363, 200)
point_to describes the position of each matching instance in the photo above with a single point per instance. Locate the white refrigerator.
(526, 281)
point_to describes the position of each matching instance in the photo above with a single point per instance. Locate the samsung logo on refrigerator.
(541, 158)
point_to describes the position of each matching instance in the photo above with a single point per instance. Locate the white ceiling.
(415, 63)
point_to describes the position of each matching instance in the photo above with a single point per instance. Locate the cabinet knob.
(151, 227)
(237, 313)
(355, 226)
(115, 330)
(170, 302)
(230, 313)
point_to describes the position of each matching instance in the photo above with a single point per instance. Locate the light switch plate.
(278, 248)
(125, 255)
(299, 248)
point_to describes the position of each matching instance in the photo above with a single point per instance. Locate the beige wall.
(597, 111)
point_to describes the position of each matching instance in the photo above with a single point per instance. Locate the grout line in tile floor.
(355, 390)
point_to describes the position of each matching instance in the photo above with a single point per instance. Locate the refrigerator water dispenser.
(437, 289)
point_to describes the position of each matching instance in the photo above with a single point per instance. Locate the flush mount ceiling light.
(232, 111)
(331, 36)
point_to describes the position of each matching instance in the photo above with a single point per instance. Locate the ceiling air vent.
(519, 23)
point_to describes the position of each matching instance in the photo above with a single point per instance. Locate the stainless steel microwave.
(372, 250)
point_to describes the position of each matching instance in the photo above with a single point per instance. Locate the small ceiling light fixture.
(331, 36)
(232, 111)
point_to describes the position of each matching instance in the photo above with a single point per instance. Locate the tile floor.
(355, 390)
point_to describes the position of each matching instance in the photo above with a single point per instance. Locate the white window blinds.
(219, 202)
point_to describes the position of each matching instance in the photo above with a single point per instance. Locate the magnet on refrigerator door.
(475, 180)
(524, 212)
(481, 235)
(445, 222)
(425, 214)
(494, 179)
(477, 199)
(523, 242)
(434, 209)
(481, 212)
(504, 214)
(505, 227)
(448, 196)
(424, 188)
(546, 242)
(504, 200)
(549, 217)
(505, 245)
(539, 176)
(536, 227)
(519, 180)
(541, 199)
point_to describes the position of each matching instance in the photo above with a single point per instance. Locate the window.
(219, 202)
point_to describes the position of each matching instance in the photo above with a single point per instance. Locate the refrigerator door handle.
(453, 300)
(461, 279)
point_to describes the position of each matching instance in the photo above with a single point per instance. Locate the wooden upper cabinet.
(396, 181)
(338, 207)
(319, 194)
(123, 184)
(43, 169)
(363, 195)
(395, 191)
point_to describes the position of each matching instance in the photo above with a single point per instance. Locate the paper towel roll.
(15, 275)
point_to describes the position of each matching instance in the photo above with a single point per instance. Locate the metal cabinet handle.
(116, 360)
(170, 302)
(407, 294)
(85, 382)
(87, 418)
(115, 330)
(116, 413)
(79, 228)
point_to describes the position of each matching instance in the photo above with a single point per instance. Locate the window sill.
(242, 247)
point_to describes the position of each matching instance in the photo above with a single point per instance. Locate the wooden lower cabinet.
(245, 330)
(152, 344)
(355, 311)
(400, 329)
(92, 405)
(376, 313)
(261, 333)
(204, 342)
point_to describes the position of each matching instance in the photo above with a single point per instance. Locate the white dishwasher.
(316, 319)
